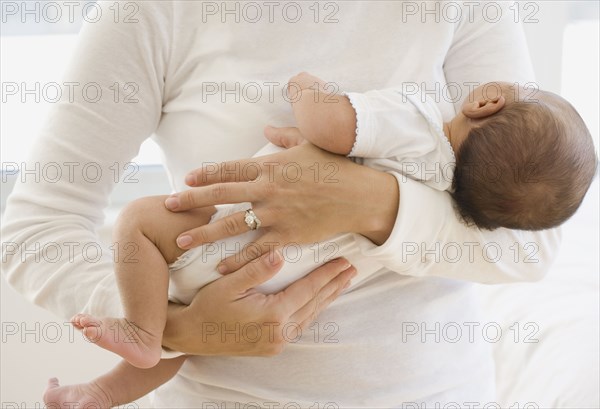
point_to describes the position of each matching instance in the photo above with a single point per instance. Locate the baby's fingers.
(284, 137)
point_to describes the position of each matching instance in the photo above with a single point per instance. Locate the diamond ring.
(252, 220)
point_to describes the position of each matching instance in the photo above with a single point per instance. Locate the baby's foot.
(85, 395)
(138, 347)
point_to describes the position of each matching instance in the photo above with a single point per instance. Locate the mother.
(380, 345)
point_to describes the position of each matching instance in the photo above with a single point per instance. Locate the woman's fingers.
(251, 251)
(234, 171)
(230, 226)
(284, 137)
(255, 273)
(220, 193)
(323, 280)
(307, 314)
(230, 301)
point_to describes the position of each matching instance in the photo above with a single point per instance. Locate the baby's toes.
(51, 393)
(53, 383)
(78, 320)
(92, 333)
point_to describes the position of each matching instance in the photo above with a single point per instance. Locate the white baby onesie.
(422, 153)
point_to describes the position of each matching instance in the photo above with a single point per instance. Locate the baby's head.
(524, 160)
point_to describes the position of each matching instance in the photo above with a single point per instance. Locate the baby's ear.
(483, 107)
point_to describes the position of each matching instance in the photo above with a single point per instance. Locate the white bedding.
(562, 369)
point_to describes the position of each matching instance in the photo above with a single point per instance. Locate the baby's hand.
(284, 137)
(303, 81)
(324, 119)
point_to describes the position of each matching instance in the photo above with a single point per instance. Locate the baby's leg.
(124, 384)
(144, 238)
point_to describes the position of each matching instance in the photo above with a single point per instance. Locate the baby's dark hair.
(526, 167)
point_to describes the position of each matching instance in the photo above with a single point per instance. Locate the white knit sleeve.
(53, 254)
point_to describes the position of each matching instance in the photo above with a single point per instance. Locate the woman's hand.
(228, 317)
(301, 195)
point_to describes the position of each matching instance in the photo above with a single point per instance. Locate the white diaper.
(197, 267)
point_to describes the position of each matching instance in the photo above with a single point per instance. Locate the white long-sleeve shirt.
(183, 60)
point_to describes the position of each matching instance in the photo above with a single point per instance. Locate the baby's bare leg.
(124, 384)
(144, 238)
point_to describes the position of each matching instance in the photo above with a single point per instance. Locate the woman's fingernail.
(190, 179)
(222, 268)
(184, 241)
(172, 203)
(274, 258)
(344, 264)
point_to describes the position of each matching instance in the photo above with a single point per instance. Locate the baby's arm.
(331, 121)
(390, 130)
(325, 119)
(123, 384)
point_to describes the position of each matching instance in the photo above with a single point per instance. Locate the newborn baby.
(507, 162)
(511, 158)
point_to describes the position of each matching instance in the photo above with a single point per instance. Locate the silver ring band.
(252, 220)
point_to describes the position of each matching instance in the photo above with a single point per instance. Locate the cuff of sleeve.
(410, 228)
(364, 127)
(426, 221)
